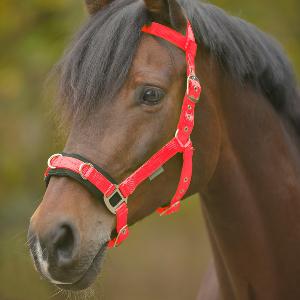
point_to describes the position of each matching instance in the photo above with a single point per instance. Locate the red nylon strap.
(184, 182)
(186, 120)
(128, 186)
(185, 42)
(121, 227)
(86, 171)
(167, 34)
(180, 143)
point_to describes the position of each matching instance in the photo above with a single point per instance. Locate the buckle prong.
(121, 231)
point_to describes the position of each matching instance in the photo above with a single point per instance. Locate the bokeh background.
(165, 258)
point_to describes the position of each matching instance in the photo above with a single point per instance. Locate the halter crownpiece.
(115, 196)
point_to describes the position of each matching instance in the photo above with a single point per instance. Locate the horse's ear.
(167, 12)
(95, 5)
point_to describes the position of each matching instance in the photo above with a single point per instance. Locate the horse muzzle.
(58, 256)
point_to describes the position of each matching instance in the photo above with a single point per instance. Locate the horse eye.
(152, 95)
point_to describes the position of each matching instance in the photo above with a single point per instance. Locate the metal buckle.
(50, 158)
(81, 169)
(189, 78)
(122, 231)
(109, 206)
(169, 208)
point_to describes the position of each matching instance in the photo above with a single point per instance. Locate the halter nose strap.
(115, 196)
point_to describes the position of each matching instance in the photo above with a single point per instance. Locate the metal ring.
(106, 199)
(50, 158)
(81, 167)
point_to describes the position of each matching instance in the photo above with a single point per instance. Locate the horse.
(120, 93)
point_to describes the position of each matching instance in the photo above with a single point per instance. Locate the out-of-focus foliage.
(33, 34)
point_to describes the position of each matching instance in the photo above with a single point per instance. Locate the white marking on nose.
(44, 266)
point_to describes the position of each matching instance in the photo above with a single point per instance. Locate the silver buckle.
(189, 78)
(110, 207)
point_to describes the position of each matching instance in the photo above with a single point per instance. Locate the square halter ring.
(114, 200)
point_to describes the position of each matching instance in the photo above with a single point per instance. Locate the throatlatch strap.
(103, 186)
(183, 185)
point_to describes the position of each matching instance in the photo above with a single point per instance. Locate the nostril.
(64, 245)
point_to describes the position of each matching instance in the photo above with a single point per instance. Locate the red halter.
(116, 195)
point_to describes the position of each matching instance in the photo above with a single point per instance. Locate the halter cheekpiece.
(115, 196)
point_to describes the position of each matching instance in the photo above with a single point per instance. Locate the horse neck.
(251, 203)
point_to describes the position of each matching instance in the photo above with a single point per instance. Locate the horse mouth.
(89, 275)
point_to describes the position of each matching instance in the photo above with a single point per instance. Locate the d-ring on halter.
(115, 196)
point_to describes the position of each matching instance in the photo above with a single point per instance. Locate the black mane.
(97, 63)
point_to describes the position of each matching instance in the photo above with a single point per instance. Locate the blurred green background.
(165, 258)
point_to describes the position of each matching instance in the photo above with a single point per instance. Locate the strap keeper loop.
(183, 145)
(84, 175)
